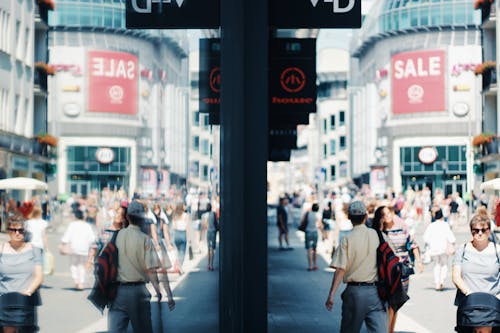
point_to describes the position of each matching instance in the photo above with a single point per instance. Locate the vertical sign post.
(243, 254)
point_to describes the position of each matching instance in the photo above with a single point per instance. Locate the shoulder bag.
(303, 223)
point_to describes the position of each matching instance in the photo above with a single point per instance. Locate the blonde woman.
(181, 223)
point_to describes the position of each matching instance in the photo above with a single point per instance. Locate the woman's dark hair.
(315, 207)
(377, 218)
(78, 214)
(438, 214)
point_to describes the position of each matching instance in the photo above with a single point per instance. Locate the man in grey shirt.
(355, 263)
(137, 264)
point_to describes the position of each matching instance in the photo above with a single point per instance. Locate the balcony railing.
(23, 145)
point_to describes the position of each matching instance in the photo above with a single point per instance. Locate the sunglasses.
(477, 230)
(20, 230)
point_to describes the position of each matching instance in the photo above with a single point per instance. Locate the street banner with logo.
(292, 76)
(112, 82)
(209, 76)
(418, 81)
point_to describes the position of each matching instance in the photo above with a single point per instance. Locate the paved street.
(296, 296)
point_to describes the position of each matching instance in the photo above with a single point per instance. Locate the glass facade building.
(148, 132)
(388, 128)
(89, 13)
(399, 15)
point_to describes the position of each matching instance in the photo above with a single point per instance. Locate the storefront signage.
(460, 109)
(292, 75)
(112, 79)
(210, 78)
(71, 109)
(427, 155)
(315, 13)
(176, 14)
(104, 155)
(418, 82)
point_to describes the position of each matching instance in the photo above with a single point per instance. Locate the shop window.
(196, 118)
(196, 143)
(453, 153)
(343, 169)
(343, 145)
(205, 147)
(204, 175)
(332, 147)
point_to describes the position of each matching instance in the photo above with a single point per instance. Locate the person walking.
(282, 222)
(36, 226)
(441, 241)
(313, 225)
(403, 245)
(327, 220)
(211, 225)
(21, 276)
(81, 241)
(355, 263)
(137, 264)
(476, 269)
(182, 232)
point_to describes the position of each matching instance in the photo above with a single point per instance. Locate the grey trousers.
(362, 303)
(132, 304)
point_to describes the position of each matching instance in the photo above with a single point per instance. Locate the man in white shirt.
(82, 240)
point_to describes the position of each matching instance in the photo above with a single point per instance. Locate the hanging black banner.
(292, 76)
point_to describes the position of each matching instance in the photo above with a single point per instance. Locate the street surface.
(296, 296)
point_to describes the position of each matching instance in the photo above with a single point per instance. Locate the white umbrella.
(22, 183)
(491, 185)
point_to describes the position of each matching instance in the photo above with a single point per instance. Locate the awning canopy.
(22, 183)
(491, 185)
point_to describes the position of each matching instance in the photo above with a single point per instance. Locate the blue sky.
(327, 38)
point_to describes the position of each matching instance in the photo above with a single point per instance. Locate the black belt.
(361, 283)
(136, 283)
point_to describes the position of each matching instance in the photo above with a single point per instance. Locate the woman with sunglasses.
(476, 267)
(20, 277)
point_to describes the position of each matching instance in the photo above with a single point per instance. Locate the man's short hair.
(356, 212)
(136, 212)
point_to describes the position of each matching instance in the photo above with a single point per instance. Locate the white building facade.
(415, 100)
(118, 102)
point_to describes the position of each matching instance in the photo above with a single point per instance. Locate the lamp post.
(444, 166)
(460, 110)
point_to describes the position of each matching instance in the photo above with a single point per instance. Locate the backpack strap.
(380, 237)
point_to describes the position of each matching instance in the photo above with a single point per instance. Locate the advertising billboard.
(418, 81)
(112, 82)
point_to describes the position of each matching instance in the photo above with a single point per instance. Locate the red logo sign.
(293, 80)
(215, 79)
(112, 82)
(418, 82)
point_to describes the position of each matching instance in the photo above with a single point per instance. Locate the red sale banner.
(418, 82)
(113, 80)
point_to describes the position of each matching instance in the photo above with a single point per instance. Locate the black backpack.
(106, 274)
(389, 271)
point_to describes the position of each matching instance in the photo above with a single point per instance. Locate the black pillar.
(243, 248)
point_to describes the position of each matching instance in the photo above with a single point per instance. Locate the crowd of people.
(153, 237)
(348, 224)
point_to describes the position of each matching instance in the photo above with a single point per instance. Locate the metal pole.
(244, 132)
(470, 161)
